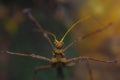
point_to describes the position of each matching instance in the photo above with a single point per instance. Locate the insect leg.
(104, 61)
(71, 64)
(92, 59)
(37, 69)
(68, 46)
(29, 55)
(44, 32)
(97, 31)
(89, 69)
(87, 35)
(87, 59)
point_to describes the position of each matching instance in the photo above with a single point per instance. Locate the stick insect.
(58, 59)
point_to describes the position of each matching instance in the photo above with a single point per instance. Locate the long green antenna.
(73, 25)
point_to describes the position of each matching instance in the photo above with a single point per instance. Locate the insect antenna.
(45, 33)
(72, 26)
(88, 35)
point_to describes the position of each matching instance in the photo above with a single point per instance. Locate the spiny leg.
(87, 35)
(37, 69)
(88, 58)
(29, 55)
(71, 64)
(44, 32)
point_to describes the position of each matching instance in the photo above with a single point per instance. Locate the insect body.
(59, 60)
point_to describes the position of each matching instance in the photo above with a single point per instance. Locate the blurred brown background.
(17, 34)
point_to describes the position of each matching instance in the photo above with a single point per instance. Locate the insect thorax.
(58, 56)
(58, 51)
